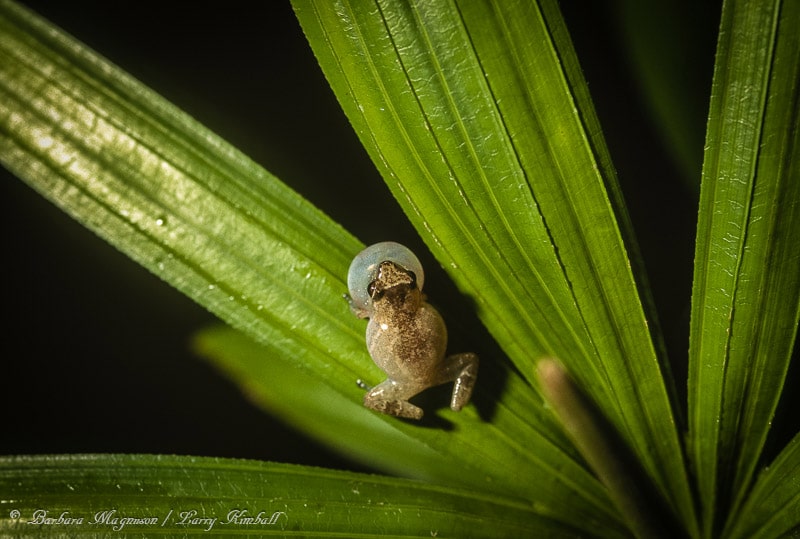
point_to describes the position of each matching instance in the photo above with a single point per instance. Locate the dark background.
(95, 348)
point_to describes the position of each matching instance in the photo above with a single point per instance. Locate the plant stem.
(607, 454)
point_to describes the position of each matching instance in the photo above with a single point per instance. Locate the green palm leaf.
(196, 497)
(772, 508)
(746, 296)
(478, 118)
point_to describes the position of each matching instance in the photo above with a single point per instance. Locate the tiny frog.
(406, 336)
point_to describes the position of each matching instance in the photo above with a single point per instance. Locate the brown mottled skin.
(407, 338)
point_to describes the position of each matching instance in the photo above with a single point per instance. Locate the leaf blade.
(772, 508)
(442, 111)
(181, 496)
(745, 309)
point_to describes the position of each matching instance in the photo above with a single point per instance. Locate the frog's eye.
(364, 268)
(373, 292)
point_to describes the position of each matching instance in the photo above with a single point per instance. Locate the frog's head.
(381, 271)
(394, 281)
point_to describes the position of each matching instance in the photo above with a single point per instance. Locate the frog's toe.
(395, 407)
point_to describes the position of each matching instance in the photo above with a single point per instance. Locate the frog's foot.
(463, 370)
(396, 408)
(390, 398)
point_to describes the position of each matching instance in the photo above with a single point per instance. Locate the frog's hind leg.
(463, 370)
(391, 398)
